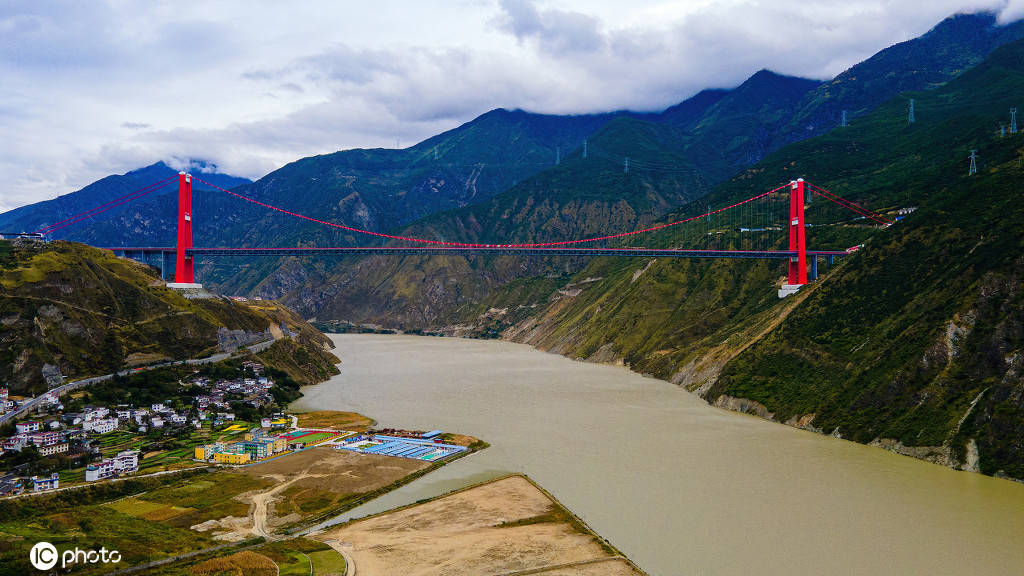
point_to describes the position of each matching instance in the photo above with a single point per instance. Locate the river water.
(679, 486)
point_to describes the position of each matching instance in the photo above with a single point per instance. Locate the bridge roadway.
(496, 249)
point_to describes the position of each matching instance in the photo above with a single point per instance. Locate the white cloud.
(96, 88)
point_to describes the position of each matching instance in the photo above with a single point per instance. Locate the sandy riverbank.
(505, 527)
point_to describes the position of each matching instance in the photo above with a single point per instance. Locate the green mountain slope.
(87, 313)
(741, 128)
(583, 197)
(698, 144)
(918, 339)
(897, 343)
(954, 45)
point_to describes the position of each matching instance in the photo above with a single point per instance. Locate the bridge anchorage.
(802, 264)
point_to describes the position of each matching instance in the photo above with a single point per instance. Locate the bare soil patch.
(307, 483)
(504, 527)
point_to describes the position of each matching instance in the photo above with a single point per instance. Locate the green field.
(294, 557)
(317, 437)
(143, 519)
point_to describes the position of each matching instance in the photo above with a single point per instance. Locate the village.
(92, 434)
(201, 426)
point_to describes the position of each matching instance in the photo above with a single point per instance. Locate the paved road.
(63, 388)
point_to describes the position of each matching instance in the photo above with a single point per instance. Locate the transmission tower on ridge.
(1013, 120)
(584, 148)
(558, 155)
(974, 163)
(843, 122)
(625, 167)
(910, 118)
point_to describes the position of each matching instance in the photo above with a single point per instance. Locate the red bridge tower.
(184, 275)
(797, 273)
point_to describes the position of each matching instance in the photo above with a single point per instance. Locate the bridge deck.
(497, 250)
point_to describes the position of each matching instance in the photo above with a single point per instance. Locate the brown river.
(679, 486)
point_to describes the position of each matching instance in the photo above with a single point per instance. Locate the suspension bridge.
(760, 212)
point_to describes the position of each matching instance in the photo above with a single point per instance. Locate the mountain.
(83, 311)
(376, 189)
(913, 343)
(739, 128)
(677, 156)
(722, 131)
(113, 227)
(954, 45)
(583, 197)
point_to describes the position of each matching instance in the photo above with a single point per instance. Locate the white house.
(95, 413)
(51, 449)
(157, 422)
(44, 437)
(99, 470)
(15, 443)
(26, 427)
(100, 426)
(127, 462)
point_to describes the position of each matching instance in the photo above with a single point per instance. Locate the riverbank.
(509, 525)
(700, 376)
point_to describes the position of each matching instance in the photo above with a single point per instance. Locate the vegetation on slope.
(87, 312)
(914, 341)
(903, 341)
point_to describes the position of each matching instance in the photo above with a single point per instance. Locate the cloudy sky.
(95, 88)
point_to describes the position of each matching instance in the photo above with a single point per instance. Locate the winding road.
(63, 388)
